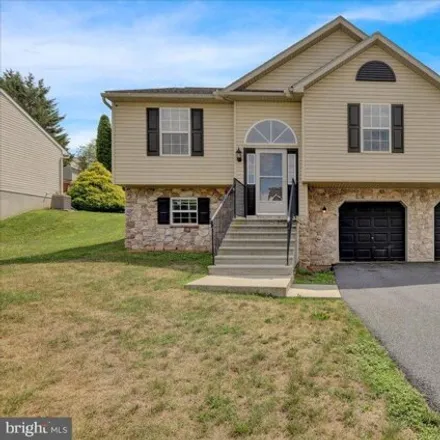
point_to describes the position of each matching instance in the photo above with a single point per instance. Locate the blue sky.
(82, 48)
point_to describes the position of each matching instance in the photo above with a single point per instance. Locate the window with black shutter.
(375, 128)
(175, 132)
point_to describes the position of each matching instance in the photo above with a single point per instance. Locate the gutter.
(104, 100)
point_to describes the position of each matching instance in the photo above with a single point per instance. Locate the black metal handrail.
(233, 205)
(291, 213)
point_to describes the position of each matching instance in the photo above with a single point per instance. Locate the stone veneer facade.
(144, 233)
(319, 233)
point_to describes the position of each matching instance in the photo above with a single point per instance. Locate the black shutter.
(203, 213)
(196, 132)
(354, 128)
(153, 132)
(163, 210)
(250, 189)
(397, 127)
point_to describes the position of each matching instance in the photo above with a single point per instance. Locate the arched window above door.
(270, 131)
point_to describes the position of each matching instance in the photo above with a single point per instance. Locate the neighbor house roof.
(376, 39)
(34, 122)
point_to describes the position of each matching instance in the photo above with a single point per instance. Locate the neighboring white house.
(70, 173)
(31, 161)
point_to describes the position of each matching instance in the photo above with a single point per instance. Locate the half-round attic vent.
(375, 71)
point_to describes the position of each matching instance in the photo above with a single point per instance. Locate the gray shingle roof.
(182, 90)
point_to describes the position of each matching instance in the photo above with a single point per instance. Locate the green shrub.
(93, 190)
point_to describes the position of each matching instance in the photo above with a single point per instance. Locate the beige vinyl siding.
(248, 113)
(305, 63)
(132, 166)
(30, 163)
(325, 126)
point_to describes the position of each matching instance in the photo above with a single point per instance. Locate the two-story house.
(339, 132)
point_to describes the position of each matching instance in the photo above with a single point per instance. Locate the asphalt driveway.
(400, 304)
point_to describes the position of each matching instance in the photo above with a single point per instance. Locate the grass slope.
(113, 340)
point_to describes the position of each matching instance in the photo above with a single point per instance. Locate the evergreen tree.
(93, 190)
(104, 142)
(32, 96)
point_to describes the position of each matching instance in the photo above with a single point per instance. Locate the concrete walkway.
(314, 291)
(276, 286)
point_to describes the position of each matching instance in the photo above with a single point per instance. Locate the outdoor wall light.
(324, 209)
(238, 155)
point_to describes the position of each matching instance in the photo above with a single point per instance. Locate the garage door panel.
(347, 238)
(381, 237)
(397, 254)
(363, 222)
(362, 255)
(372, 231)
(348, 222)
(348, 255)
(364, 238)
(381, 254)
(396, 237)
(397, 222)
(381, 222)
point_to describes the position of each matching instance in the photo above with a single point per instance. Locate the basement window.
(184, 211)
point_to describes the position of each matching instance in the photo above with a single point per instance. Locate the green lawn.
(113, 340)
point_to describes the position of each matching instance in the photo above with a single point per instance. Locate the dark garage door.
(437, 232)
(371, 231)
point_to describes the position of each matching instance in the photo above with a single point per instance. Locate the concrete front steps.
(255, 247)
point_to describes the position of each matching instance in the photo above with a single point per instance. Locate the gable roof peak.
(338, 23)
(376, 38)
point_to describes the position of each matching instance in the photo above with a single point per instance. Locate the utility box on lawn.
(61, 201)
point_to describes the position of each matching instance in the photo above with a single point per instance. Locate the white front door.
(271, 182)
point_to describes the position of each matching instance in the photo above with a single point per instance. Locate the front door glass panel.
(271, 177)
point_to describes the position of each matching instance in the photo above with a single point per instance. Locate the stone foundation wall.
(319, 233)
(144, 233)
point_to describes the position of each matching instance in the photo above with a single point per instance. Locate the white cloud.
(156, 50)
(394, 12)
(81, 52)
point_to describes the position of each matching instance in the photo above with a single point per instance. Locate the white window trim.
(192, 210)
(261, 144)
(175, 132)
(377, 128)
